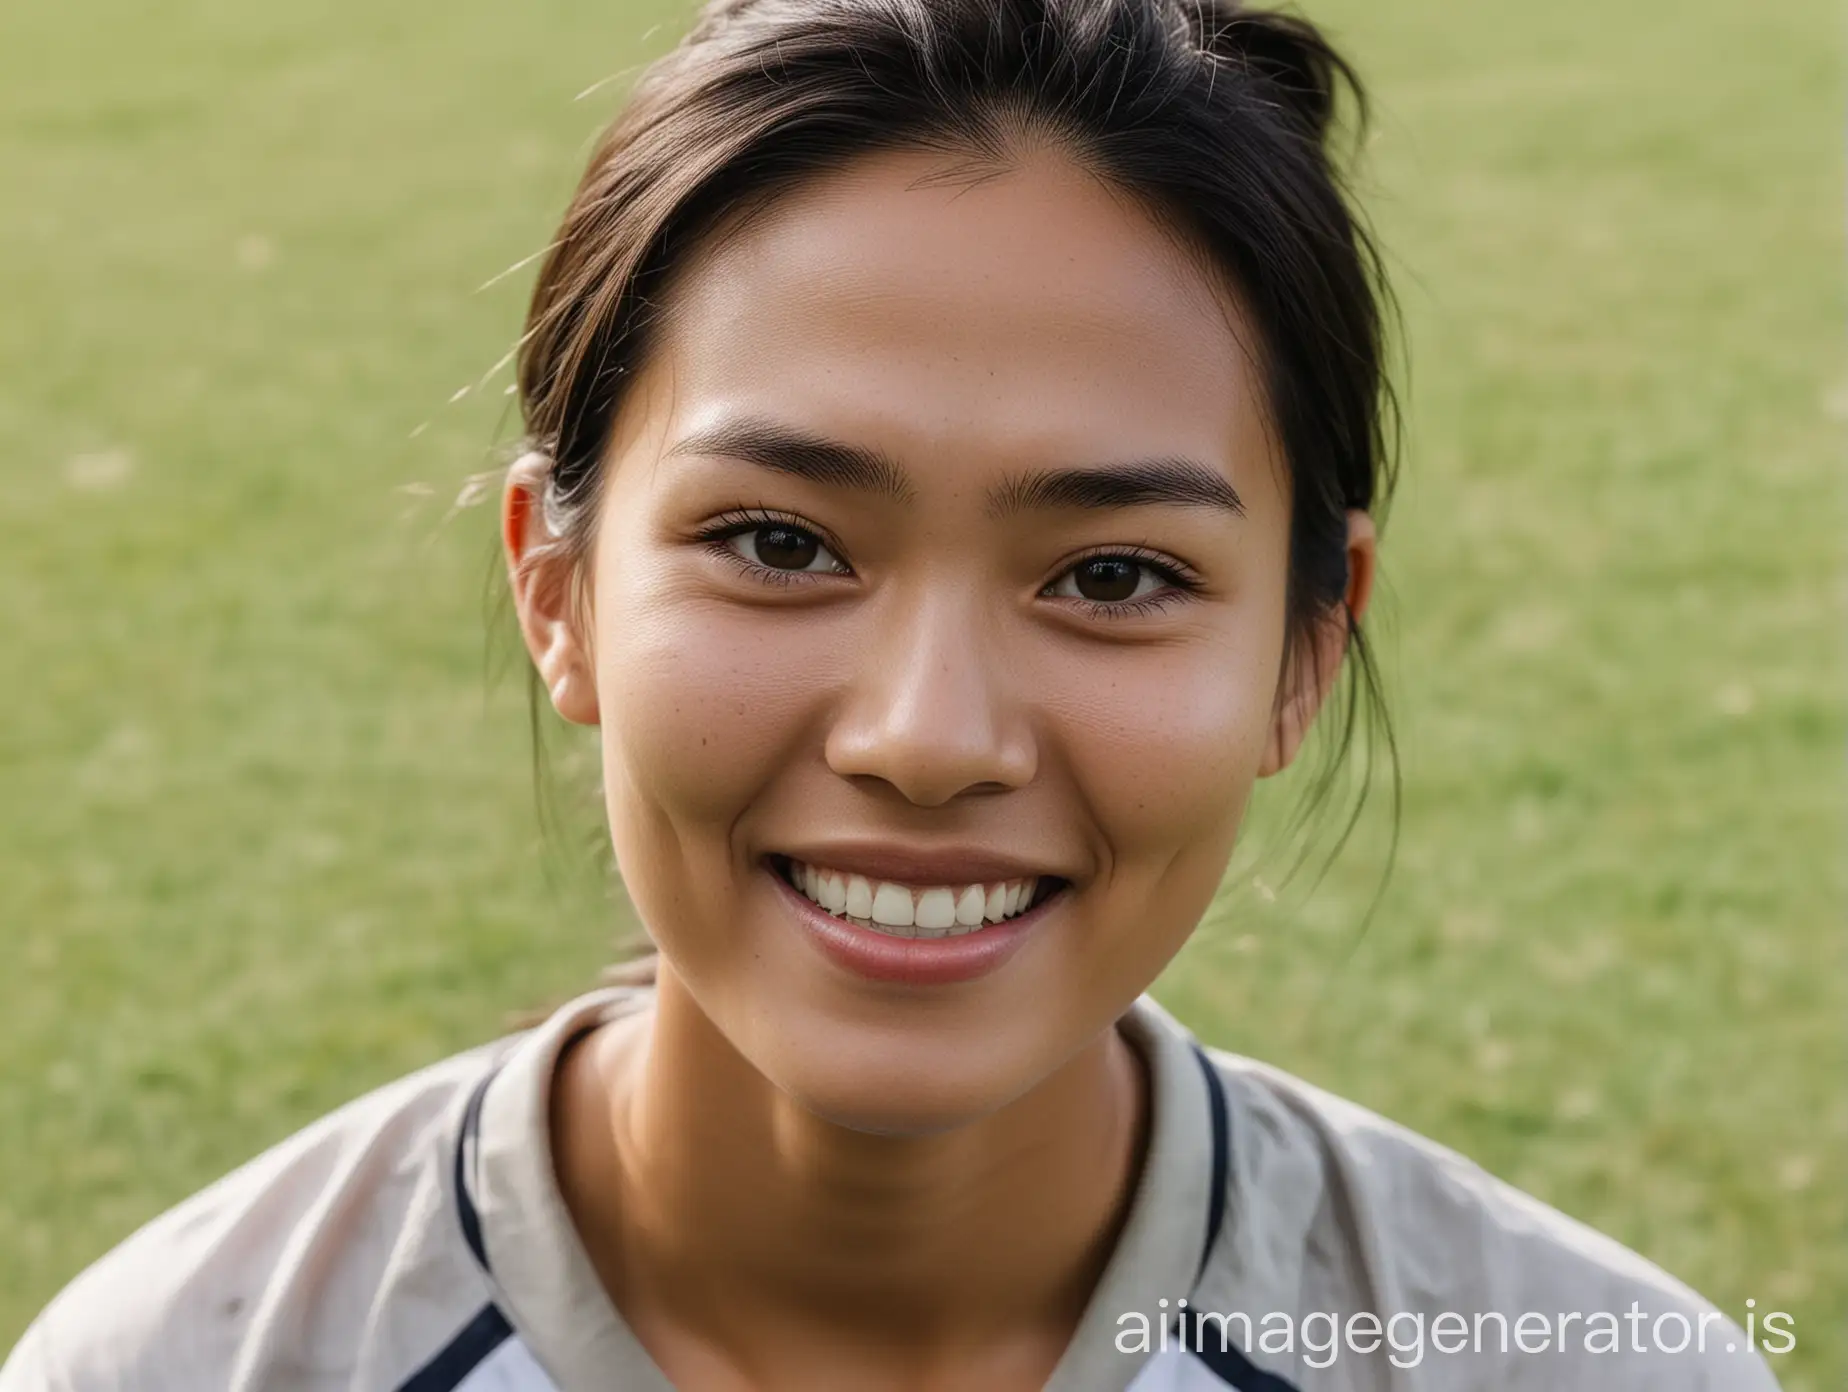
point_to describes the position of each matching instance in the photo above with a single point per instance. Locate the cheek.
(1165, 752)
(700, 708)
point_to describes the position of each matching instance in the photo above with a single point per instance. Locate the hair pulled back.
(1216, 117)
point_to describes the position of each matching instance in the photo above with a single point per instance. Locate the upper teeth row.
(936, 911)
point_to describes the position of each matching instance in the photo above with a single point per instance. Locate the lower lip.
(912, 961)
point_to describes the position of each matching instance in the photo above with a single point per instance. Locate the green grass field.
(266, 828)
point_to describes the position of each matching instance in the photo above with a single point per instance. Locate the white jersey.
(1278, 1239)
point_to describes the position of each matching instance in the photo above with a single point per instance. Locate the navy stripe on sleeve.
(463, 1354)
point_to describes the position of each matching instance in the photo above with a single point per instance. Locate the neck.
(700, 1187)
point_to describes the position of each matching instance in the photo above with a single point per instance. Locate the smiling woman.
(997, 542)
(953, 444)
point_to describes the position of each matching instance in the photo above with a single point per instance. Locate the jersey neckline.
(515, 1222)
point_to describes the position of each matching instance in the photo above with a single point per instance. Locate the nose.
(930, 709)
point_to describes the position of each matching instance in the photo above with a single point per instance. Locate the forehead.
(1022, 313)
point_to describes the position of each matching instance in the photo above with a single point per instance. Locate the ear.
(1303, 688)
(540, 577)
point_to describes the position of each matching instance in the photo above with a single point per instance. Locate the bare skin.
(789, 1173)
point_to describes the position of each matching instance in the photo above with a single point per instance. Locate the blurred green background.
(267, 833)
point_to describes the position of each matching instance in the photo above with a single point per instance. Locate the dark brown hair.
(1217, 118)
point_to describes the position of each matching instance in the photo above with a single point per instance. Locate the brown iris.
(1108, 579)
(786, 548)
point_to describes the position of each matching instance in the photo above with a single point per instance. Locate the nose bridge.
(932, 707)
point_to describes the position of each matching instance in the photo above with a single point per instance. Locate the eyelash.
(736, 523)
(1182, 584)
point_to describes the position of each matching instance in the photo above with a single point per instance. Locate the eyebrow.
(1172, 480)
(791, 451)
(1175, 481)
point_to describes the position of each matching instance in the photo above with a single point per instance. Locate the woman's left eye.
(1111, 581)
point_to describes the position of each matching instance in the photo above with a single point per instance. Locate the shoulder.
(1354, 1212)
(279, 1264)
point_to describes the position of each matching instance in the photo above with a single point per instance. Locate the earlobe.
(566, 673)
(574, 696)
(1299, 700)
(539, 575)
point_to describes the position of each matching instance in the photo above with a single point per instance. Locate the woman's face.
(943, 552)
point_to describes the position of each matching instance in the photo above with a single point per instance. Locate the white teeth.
(934, 911)
(937, 909)
(969, 907)
(892, 906)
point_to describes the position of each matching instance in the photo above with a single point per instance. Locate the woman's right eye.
(779, 546)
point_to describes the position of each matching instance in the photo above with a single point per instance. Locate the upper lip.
(918, 865)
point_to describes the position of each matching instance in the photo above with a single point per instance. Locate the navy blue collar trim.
(1231, 1367)
(467, 1146)
(1222, 1157)
(462, 1354)
(490, 1327)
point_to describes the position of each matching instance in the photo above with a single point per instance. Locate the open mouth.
(914, 911)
